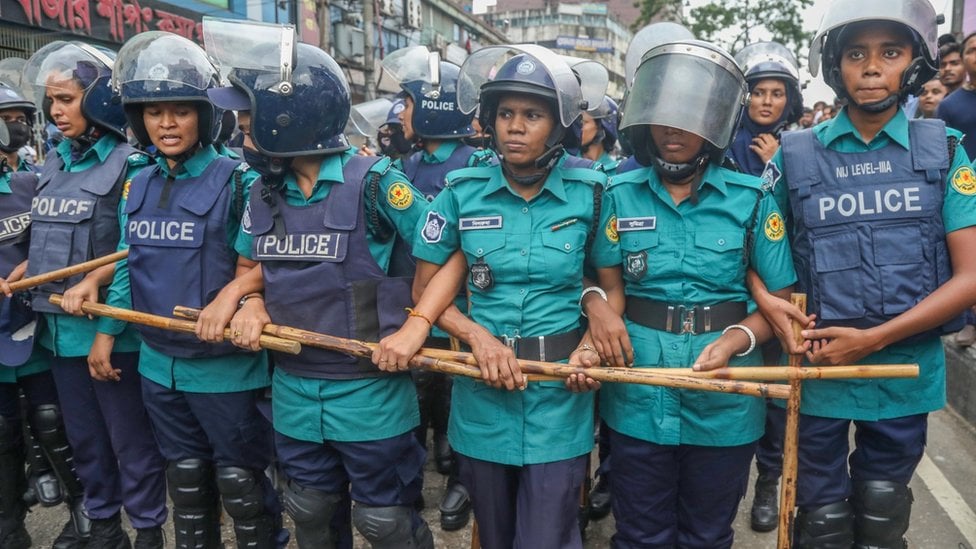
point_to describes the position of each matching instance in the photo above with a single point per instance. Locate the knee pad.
(312, 511)
(881, 513)
(391, 527)
(828, 527)
(242, 492)
(50, 435)
(191, 485)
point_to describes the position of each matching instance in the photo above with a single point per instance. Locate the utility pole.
(325, 23)
(369, 20)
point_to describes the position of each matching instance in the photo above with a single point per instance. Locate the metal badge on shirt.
(635, 265)
(481, 276)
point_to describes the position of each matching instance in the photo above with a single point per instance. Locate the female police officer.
(313, 228)
(522, 226)
(676, 240)
(885, 277)
(75, 218)
(201, 397)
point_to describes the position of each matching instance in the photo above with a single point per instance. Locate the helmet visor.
(710, 85)
(366, 118)
(649, 38)
(413, 64)
(768, 58)
(480, 67)
(61, 65)
(12, 71)
(262, 47)
(162, 63)
(594, 79)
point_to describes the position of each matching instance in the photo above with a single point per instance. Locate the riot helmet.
(919, 19)
(298, 94)
(17, 133)
(772, 60)
(157, 67)
(648, 38)
(432, 86)
(90, 67)
(713, 93)
(605, 117)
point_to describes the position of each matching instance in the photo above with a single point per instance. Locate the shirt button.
(676, 254)
(721, 242)
(674, 346)
(522, 291)
(568, 246)
(523, 252)
(525, 210)
(480, 251)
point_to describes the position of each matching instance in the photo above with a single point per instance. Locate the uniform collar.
(441, 153)
(712, 177)
(97, 152)
(841, 126)
(194, 166)
(330, 171)
(553, 184)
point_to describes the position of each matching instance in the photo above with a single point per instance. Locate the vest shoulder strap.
(799, 148)
(930, 148)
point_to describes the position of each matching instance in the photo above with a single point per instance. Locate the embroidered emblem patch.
(964, 181)
(611, 229)
(770, 177)
(774, 227)
(125, 189)
(635, 265)
(433, 228)
(399, 196)
(246, 219)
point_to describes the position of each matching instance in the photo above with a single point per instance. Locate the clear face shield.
(263, 48)
(64, 65)
(768, 54)
(482, 66)
(12, 71)
(648, 38)
(710, 86)
(366, 118)
(416, 64)
(594, 80)
(918, 15)
(160, 64)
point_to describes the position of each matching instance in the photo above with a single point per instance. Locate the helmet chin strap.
(543, 164)
(683, 174)
(880, 106)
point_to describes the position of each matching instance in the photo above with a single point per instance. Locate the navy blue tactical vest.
(14, 241)
(321, 276)
(178, 250)
(868, 239)
(429, 178)
(74, 218)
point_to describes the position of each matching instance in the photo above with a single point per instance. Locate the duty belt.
(684, 319)
(552, 348)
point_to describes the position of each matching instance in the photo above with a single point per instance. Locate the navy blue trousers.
(115, 454)
(769, 451)
(224, 428)
(525, 507)
(889, 450)
(676, 496)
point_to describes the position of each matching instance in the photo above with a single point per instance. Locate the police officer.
(313, 228)
(390, 136)
(74, 218)
(201, 395)
(881, 211)
(774, 103)
(672, 253)
(27, 366)
(596, 131)
(522, 226)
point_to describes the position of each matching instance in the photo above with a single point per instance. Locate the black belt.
(552, 348)
(680, 319)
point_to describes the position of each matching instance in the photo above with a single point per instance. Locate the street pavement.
(943, 516)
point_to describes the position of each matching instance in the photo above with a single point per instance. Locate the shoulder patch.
(964, 181)
(771, 176)
(774, 228)
(138, 159)
(246, 219)
(611, 229)
(433, 228)
(399, 195)
(125, 188)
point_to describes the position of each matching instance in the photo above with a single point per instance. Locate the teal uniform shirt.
(221, 374)
(360, 409)
(39, 360)
(72, 336)
(687, 254)
(608, 164)
(876, 399)
(535, 250)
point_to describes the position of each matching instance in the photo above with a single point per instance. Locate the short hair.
(949, 49)
(967, 39)
(947, 38)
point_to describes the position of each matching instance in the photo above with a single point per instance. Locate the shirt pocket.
(639, 255)
(563, 256)
(837, 262)
(900, 260)
(720, 256)
(487, 247)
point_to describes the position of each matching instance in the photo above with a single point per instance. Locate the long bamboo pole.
(458, 364)
(791, 440)
(173, 324)
(67, 272)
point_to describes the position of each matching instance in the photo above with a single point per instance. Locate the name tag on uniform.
(625, 224)
(301, 247)
(479, 223)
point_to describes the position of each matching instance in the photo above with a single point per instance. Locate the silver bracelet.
(752, 337)
(591, 289)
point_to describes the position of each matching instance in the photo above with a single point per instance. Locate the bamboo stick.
(791, 440)
(458, 364)
(173, 324)
(67, 272)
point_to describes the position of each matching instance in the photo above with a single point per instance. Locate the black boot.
(13, 534)
(455, 506)
(108, 534)
(77, 531)
(443, 454)
(149, 538)
(600, 498)
(765, 507)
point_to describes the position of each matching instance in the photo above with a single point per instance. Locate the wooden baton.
(792, 439)
(67, 272)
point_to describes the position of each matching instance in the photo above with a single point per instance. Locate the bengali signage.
(577, 43)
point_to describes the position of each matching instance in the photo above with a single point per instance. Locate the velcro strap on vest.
(551, 348)
(801, 176)
(680, 319)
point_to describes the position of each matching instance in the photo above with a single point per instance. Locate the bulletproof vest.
(15, 220)
(570, 161)
(321, 276)
(429, 178)
(868, 238)
(178, 249)
(629, 164)
(74, 218)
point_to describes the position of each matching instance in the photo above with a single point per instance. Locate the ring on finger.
(237, 333)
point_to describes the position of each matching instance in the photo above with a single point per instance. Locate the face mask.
(19, 136)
